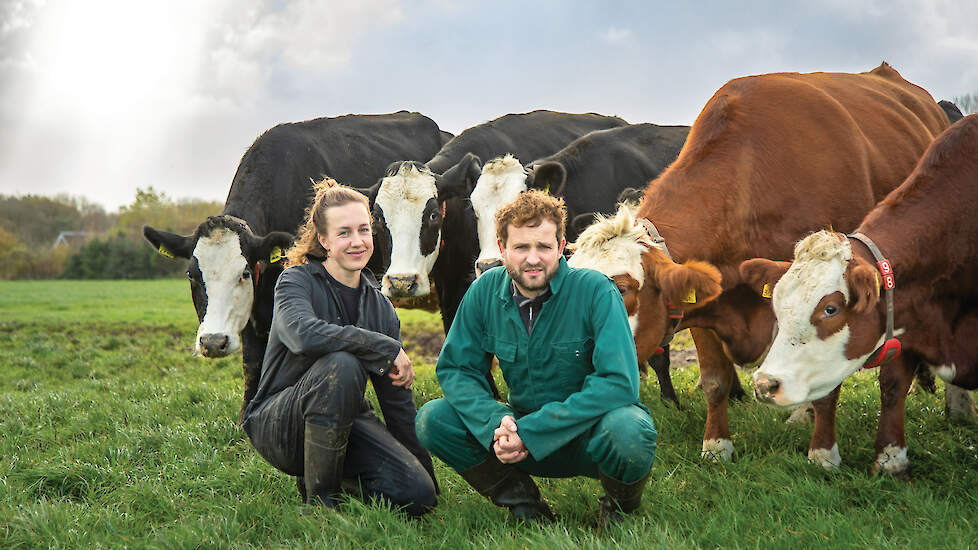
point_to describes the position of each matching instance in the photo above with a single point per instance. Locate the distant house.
(72, 239)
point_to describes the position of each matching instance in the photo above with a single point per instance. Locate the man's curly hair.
(530, 209)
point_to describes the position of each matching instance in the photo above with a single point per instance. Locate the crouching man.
(565, 348)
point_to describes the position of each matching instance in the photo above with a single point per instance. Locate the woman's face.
(348, 238)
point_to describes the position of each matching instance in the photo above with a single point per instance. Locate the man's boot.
(506, 485)
(324, 452)
(620, 498)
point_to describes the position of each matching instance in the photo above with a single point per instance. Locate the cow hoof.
(826, 458)
(893, 461)
(803, 414)
(959, 405)
(717, 450)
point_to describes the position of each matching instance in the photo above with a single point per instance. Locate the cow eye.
(189, 276)
(623, 289)
(831, 310)
(433, 217)
(245, 275)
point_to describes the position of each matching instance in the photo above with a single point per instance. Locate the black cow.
(951, 110)
(423, 214)
(232, 270)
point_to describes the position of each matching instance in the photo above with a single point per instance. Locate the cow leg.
(891, 444)
(252, 352)
(660, 365)
(824, 448)
(716, 375)
(959, 404)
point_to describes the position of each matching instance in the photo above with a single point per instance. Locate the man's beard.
(516, 273)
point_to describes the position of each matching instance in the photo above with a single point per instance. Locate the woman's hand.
(403, 373)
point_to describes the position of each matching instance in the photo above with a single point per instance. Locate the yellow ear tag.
(165, 251)
(276, 255)
(766, 291)
(690, 297)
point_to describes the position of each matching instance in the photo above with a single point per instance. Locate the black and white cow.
(422, 211)
(235, 258)
(589, 174)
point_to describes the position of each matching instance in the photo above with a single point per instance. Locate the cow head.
(647, 279)
(825, 303)
(408, 206)
(226, 263)
(502, 180)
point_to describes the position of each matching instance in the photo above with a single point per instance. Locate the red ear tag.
(257, 273)
(889, 350)
(659, 350)
(443, 210)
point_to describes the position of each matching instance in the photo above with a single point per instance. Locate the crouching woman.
(332, 330)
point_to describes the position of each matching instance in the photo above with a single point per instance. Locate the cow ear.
(762, 274)
(689, 285)
(864, 286)
(550, 176)
(271, 248)
(459, 180)
(581, 222)
(631, 195)
(168, 244)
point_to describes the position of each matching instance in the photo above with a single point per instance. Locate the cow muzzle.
(214, 345)
(485, 265)
(766, 387)
(402, 286)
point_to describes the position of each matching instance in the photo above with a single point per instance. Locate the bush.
(120, 256)
(21, 261)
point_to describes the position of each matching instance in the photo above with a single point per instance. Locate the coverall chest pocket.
(571, 362)
(506, 352)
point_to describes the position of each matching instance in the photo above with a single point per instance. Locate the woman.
(332, 329)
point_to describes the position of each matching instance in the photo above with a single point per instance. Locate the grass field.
(115, 436)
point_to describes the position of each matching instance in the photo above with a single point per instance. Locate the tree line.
(115, 247)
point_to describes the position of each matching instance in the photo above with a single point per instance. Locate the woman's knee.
(416, 495)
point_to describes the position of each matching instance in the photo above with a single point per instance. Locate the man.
(564, 346)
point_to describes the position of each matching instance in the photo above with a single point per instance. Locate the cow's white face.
(501, 181)
(614, 246)
(807, 359)
(409, 204)
(228, 292)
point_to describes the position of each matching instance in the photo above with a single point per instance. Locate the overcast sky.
(99, 98)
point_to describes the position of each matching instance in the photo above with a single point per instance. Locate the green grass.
(115, 436)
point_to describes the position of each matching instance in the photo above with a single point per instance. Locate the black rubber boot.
(505, 485)
(324, 451)
(620, 498)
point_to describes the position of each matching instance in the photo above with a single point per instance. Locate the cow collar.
(675, 314)
(890, 348)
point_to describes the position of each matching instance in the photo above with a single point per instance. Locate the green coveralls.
(573, 381)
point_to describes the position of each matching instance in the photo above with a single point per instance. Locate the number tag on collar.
(276, 255)
(690, 297)
(165, 251)
(766, 291)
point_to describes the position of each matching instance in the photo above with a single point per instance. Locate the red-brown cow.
(769, 159)
(830, 314)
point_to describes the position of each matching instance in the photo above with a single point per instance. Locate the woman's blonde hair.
(328, 194)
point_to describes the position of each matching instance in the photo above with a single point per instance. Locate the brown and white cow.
(831, 316)
(769, 159)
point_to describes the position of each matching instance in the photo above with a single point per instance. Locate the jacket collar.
(505, 290)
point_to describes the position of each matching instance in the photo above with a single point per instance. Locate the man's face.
(531, 256)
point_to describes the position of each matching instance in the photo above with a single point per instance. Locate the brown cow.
(769, 159)
(830, 314)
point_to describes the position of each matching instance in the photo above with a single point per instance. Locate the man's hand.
(507, 445)
(403, 373)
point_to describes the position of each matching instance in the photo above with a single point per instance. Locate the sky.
(99, 98)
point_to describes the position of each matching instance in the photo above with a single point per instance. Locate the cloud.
(615, 35)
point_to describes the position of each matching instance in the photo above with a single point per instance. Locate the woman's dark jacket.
(306, 325)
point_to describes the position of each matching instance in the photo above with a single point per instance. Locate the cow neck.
(891, 347)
